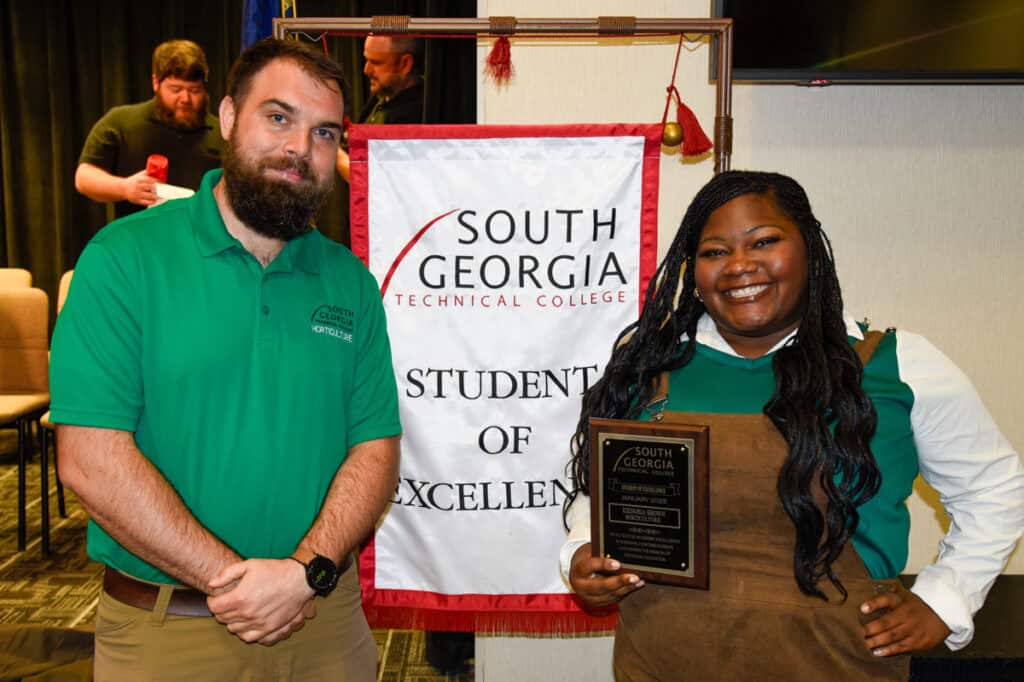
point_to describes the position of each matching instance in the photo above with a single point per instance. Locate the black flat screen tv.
(820, 42)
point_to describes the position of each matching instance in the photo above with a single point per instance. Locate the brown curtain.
(63, 63)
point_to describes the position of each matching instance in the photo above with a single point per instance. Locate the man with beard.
(393, 67)
(228, 411)
(174, 124)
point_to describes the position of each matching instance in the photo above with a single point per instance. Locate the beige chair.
(47, 434)
(15, 278)
(24, 374)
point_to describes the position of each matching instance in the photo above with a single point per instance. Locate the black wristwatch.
(321, 574)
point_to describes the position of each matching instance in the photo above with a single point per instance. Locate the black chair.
(47, 435)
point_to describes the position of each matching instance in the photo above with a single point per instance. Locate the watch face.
(322, 573)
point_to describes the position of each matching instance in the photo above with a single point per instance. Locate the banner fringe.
(506, 622)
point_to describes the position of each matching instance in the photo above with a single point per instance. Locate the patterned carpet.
(61, 591)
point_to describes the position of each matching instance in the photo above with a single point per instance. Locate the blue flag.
(258, 16)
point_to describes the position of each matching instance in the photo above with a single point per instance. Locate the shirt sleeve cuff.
(94, 419)
(949, 605)
(565, 558)
(578, 520)
(375, 432)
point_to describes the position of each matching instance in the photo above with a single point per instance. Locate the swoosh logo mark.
(408, 247)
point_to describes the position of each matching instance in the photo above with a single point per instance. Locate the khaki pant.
(134, 645)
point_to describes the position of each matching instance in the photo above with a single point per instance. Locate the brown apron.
(753, 623)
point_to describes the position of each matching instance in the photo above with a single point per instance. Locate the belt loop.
(163, 599)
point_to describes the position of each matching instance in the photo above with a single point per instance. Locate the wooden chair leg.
(22, 465)
(44, 488)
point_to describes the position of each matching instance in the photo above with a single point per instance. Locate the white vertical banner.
(509, 258)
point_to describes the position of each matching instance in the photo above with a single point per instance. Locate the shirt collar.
(212, 236)
(415, 84)
(708, 335)
(304, 252)
(207, 225)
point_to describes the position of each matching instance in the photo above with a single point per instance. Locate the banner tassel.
(687, 129)
(499, 62)
(695, 142)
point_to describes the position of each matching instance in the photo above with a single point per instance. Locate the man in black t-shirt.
(174, 124)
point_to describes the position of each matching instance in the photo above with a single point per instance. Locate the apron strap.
(656, 406)
(867, 346)
(661, 389)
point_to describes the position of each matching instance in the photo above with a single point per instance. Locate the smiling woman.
(818, 428)
(751, 273)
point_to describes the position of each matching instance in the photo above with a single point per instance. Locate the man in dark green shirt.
(393, 67)
(393, 71)
(174, 124)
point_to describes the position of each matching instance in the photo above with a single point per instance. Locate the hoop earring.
(696, 294)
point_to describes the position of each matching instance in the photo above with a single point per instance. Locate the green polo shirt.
(715, 382)
(246, 387)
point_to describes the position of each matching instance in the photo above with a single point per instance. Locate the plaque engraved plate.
(649, 489)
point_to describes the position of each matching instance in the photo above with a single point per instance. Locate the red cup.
(156, 167)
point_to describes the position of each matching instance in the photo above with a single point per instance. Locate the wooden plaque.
(649, 495)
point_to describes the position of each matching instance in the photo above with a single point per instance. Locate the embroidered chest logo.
(333, 320)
